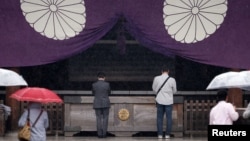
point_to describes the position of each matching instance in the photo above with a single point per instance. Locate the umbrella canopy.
(36, 94)
(11, 78)
(231, 80)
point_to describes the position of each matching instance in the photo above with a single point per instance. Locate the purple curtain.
(24, 41)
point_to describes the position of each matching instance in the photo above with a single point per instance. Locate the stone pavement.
(13, 137)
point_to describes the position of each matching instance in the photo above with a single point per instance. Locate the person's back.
(38, 132)
(101, 91)
(246, 113)
(223, 113)
(165, 96)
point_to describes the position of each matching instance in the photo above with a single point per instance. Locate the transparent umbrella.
(231, 80)
(11, 78)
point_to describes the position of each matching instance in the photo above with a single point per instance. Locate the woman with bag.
(38, 119)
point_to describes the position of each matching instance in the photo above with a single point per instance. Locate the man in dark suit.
(101, 91)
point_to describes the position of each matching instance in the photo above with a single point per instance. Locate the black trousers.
(102, 117)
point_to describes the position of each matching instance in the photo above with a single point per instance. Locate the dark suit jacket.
(101, 91)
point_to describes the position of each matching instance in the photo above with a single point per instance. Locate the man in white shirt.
(164, 99)
(223, 113)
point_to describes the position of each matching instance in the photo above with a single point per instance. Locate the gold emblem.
(123, 114)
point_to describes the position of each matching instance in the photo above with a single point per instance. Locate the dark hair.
(100, 74)
(221, 95)
(165, 68)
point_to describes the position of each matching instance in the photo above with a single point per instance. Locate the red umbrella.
(36, 94)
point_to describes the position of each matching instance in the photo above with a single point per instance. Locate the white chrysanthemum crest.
(191, 21)
(56, 19)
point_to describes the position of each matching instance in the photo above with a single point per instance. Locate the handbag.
(24, 133)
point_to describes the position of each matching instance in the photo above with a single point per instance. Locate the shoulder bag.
(24, 133)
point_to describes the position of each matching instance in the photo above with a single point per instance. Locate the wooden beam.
(115, 42)
(14, 105)
(235, 95)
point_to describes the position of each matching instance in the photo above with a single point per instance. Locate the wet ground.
(13, 137)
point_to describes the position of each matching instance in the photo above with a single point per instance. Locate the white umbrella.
(11, 78)
(231, 80)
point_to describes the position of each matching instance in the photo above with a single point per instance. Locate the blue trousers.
(161, 110)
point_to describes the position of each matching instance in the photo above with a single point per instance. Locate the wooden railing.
(196, 108)
(2, 122)
(56, 117)
(196, 116)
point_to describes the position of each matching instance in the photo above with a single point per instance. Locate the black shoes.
(102, 136)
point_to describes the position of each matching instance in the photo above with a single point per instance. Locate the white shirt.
(165, 96)
(223, 113)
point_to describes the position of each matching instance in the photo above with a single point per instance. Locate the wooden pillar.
(235, 95)
(12, 123)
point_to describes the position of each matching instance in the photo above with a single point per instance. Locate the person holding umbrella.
(36, 96)
(246, 113)
(39, 121)
(101, 91)
(223, 113)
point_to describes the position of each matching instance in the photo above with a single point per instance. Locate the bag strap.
(28, 117)
(162, 85)
(37, 118)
